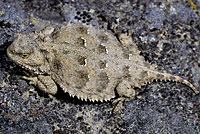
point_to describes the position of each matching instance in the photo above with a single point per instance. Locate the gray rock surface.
(167, 33)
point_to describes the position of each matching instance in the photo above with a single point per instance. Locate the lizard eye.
(25, 55)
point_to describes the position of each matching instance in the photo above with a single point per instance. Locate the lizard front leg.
(44, 83)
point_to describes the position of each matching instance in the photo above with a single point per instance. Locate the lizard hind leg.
(125, 92)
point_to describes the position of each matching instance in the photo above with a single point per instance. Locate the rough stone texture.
(166, 32)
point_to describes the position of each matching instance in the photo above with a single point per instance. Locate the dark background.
(167, 32)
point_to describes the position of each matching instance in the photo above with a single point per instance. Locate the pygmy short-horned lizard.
(86, 62)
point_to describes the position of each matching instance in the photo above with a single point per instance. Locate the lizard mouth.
(30, 69)
(33, 69)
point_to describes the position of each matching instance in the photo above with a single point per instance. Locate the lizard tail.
(169, 77)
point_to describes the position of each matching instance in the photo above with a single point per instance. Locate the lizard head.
(25, 52)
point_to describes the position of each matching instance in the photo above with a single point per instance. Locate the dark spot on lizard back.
(102, 64)
(103, 38)
(57, 65)
(102, 49)
(81, 60)
(81, 78)
(102, 81)
(160, 76)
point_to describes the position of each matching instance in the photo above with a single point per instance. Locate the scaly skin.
(85, 62)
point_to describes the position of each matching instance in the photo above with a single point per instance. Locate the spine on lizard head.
(169, 77)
